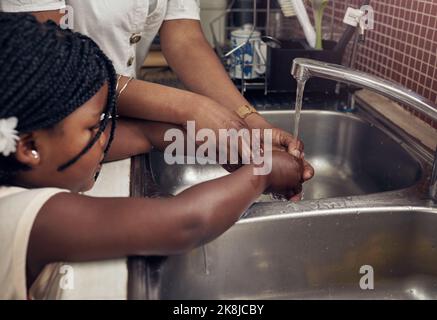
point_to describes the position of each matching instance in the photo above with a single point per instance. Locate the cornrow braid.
(46, 74)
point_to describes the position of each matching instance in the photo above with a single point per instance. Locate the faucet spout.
(303, 69)
(299, 71)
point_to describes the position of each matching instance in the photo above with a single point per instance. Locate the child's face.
(59, 145)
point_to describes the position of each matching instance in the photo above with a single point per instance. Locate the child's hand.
(286, 177)
(284, 141)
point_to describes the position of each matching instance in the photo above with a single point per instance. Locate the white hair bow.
(8, 136)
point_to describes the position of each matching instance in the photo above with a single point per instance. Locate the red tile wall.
(403, 45)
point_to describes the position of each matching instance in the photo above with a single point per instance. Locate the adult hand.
(211, 115)
(282, 141)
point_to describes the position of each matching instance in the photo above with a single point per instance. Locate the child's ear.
(27, 152)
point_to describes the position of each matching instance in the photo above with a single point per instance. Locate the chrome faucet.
(303, 69)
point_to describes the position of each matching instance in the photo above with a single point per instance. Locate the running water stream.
(298, 107)
(297, 110)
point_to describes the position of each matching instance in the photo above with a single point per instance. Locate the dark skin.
(148, 101)
(73, 227)
(116, 227)
(211, 104)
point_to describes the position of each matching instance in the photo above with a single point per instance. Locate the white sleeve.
(31, 5)
(183, 9)
(17, 215)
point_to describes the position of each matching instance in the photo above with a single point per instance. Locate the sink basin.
(350, 156)
(310, 255)
(364, 207)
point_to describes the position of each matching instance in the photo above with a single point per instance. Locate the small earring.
(35, 154)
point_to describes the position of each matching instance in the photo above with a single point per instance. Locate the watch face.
(245, 110)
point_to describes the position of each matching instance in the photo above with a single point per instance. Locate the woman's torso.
(123, 29)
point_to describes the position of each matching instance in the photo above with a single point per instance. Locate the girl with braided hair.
(57, 124)
(125, 31)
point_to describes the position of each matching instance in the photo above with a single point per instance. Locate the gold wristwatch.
(245, 110)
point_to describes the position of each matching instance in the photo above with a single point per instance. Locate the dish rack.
(276, 78)
(225, 52)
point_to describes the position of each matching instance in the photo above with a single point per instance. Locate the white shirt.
(18, 210)
(115, 25)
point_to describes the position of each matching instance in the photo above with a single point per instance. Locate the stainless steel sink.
(371, 203)
(350, 157)
(315, 255)
(364, 207)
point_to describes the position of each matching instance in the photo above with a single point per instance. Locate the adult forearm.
(152, 102)
(196, 64)
(149, 101)
(207, 76)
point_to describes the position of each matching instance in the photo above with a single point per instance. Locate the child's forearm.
(215, 205)
(135, 137)
(220, 202)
